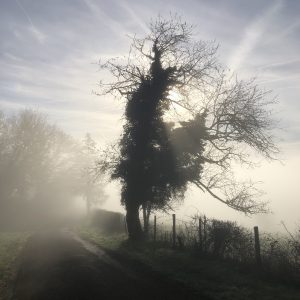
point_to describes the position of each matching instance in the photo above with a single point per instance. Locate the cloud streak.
(126, 6)
(35, 32)
(105, 19)
(252, 36)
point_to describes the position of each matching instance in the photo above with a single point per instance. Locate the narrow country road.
(60, 265)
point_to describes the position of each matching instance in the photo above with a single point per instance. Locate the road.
(61, 266)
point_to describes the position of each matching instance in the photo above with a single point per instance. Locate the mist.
(46, 175)
(149, 150)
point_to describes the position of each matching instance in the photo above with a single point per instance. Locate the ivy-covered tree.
(215, 120)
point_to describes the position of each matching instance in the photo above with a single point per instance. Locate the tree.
(216, 119)
(39, 177)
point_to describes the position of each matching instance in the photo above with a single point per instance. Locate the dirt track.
(60, 265)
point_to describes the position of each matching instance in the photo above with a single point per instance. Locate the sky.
(48, 58)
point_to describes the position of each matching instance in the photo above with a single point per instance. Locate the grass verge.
(11, 245)
(213, 278)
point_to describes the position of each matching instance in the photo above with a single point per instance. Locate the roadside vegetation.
(11, 245)
(214, 276)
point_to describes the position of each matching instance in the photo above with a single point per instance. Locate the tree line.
(43, 170)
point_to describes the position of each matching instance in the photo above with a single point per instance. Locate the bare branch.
(240, 199)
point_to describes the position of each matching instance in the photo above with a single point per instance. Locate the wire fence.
(227, 240)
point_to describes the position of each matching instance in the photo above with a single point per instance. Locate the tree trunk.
(146, 223)
(88, 205)
(149, 206)
(88, 208)
(146, 207)
(134, 227)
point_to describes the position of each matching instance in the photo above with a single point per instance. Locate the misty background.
(46, 176)
(49, 55)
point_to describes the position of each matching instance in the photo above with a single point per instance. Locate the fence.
(227, 240)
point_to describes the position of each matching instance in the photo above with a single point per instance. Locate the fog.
(278, 180)
(48, 178)
(46, 175)
(51, 66)
(149, 149)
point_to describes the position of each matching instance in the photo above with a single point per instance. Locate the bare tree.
(216, 120)
(92, 189)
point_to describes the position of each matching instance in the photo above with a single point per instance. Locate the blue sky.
(49, 51)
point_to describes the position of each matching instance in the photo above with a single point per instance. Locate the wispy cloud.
(141, 23)
(252, 36)
(285, 32)
(33, 29)
(107, 20)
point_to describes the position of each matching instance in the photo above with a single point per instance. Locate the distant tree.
(187, 122)
(38, 168)
(93, 189)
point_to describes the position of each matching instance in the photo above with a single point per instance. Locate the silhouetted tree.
(169, 76)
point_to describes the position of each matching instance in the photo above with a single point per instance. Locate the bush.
(227, 240)
(108, 221)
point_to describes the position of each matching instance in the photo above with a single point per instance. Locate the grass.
(109, 242)
(11, 245)
(215, 278)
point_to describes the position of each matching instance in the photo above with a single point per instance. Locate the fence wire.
(227, 240)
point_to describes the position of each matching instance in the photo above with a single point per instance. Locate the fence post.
(200, 234)
(125, 226)
(154, 230)
(204, 234)
(174, 231)
(257, 246)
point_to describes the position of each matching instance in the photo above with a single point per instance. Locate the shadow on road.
(60, 265)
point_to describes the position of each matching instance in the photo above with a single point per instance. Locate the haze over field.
(49, 55)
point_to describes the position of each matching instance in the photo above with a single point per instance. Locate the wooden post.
(200, 234)
(125, 226)
(204, 234)
(174, 231)
(154, 230)
(257, 246)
